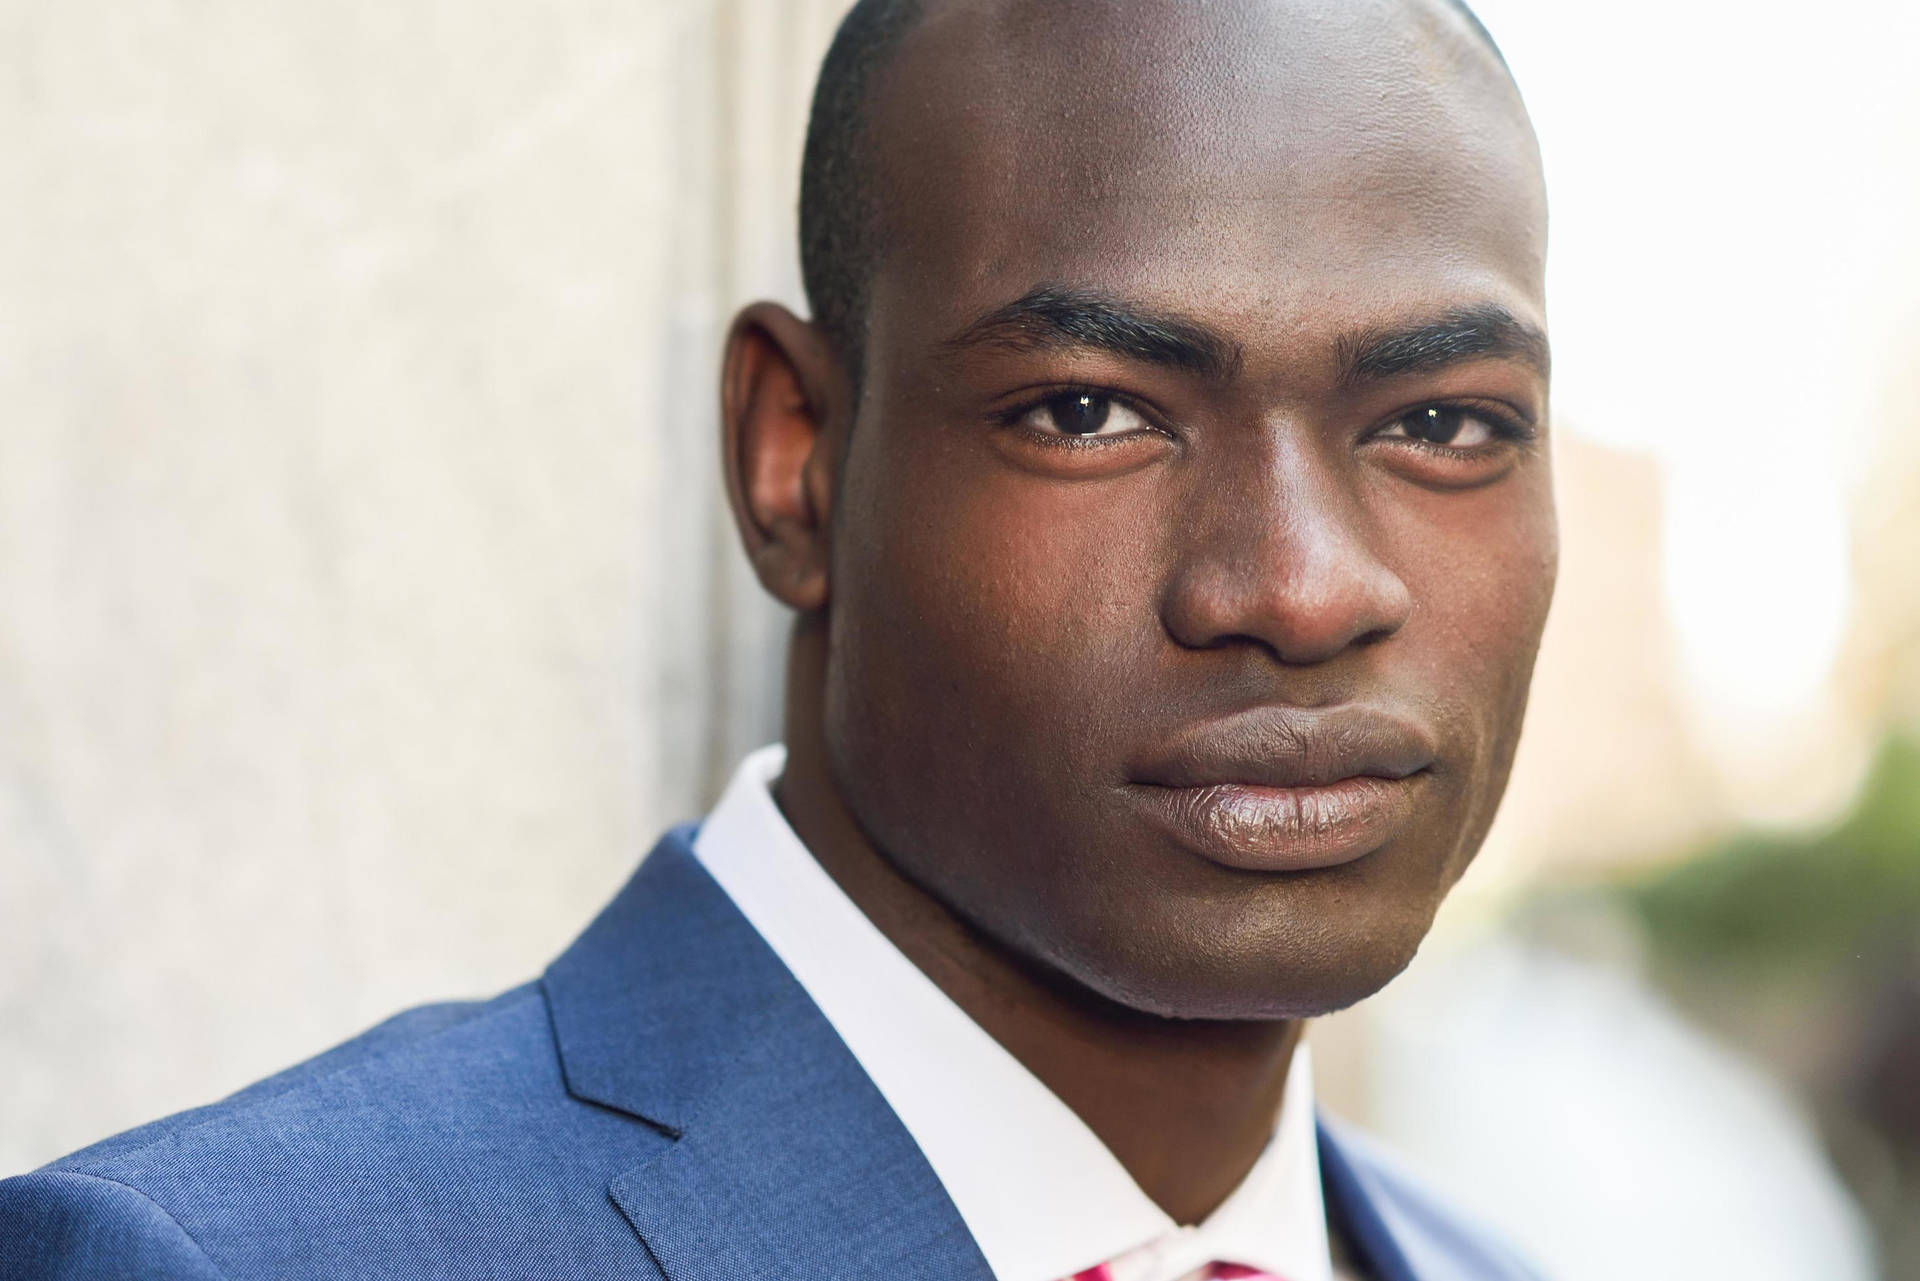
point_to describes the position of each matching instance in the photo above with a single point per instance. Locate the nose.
(1279, 556)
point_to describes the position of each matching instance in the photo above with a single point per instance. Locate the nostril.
(1373, 637)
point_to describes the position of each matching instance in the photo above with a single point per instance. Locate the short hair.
(839, 199)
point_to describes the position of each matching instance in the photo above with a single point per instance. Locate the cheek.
(1021, 595)
(983, 628)
(1480, 566)
(1483, 587)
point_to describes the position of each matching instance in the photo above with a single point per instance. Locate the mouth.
(1286, 789)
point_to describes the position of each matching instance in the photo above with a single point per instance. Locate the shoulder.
(58, 1224)
(419, 1052)
(1384, 1208)
(443, 1115)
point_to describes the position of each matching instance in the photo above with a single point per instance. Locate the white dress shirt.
(1040, 1193)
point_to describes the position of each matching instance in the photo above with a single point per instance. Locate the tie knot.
(1212, 1272)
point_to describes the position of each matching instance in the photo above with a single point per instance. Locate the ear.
(777, 387)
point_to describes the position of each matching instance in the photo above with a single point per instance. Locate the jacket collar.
(784, 1159)
(1397, 1228)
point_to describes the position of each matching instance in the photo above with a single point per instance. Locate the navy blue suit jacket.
(665, 1102)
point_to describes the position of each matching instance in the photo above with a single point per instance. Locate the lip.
(1286, 789)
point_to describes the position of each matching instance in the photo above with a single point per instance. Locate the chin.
(1267, 996)
(1287, 966)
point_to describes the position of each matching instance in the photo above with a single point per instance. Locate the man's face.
(1195, 534)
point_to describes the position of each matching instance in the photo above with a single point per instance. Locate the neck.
(1185, 1106)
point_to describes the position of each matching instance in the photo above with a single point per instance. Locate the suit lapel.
(1397, 1229)
(1356, 1211)
(781, 1158)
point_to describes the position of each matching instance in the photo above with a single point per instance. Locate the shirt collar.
(1042, 1196)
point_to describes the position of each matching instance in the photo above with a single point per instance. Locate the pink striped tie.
(1213, 1272)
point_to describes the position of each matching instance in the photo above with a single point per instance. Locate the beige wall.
(365, 603)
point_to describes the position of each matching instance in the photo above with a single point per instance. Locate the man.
(1162, 493)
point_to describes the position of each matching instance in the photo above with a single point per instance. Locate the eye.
(1450, 425)
(1083, 415)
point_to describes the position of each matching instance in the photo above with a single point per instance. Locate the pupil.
(1081, 414)
(1437, 425)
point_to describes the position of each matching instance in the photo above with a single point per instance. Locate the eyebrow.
(1056, 317)
(1480, 332)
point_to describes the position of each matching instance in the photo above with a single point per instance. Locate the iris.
(1079, 413)
(1435, 423)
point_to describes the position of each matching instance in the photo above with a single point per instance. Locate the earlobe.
(776, 390)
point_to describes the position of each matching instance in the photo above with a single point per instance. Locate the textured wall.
(365, 600)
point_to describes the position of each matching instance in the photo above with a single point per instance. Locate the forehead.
(1284, 159)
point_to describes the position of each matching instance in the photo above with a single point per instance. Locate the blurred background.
(367, 601)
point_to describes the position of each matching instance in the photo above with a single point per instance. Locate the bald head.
(844, 192)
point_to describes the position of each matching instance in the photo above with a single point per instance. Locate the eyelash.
(1508, 425)
(1011, 417)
